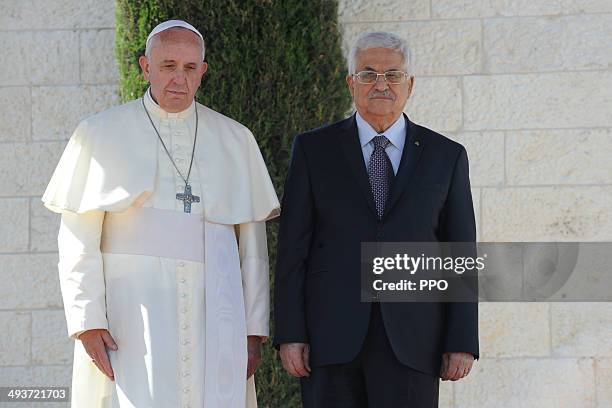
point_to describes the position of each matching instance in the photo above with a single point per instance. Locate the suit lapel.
(349, 140)
(411, 154)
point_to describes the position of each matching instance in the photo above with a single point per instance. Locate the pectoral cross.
(187, 198)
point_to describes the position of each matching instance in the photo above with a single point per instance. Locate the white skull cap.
(170, 24)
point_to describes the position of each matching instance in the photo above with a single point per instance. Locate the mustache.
(384, 94)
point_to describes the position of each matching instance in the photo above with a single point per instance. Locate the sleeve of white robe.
(81, 271)
(253, 249)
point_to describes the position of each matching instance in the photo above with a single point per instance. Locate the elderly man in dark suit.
(375, 176)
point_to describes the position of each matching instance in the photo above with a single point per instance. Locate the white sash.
(154, 232)
(226, 346)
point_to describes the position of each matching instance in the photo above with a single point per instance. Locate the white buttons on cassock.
(178, 140)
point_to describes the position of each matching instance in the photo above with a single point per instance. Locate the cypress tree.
(275, 66)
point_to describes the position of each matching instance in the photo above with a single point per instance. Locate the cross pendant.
(187, 198)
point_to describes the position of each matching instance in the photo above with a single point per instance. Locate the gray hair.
(379, 39)
(153, 42)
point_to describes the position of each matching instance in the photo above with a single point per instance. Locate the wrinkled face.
(174, 69)
(381, 99)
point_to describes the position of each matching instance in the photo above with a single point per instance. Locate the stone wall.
(524, 85)
(57, 66)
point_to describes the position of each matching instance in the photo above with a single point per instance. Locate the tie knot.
(381, 141)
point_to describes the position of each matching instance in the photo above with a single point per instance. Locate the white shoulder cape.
(109, 164)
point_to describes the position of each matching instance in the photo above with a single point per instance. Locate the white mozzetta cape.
(109, 164)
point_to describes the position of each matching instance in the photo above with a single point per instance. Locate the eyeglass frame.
(384, 75)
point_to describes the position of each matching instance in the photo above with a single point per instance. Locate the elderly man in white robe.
(162, 245)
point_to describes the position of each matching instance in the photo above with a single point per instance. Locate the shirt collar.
(156, 110)
(396, 133)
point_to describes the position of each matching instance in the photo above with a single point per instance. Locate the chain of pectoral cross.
(186, 197)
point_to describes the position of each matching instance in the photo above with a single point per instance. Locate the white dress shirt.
(396, 133)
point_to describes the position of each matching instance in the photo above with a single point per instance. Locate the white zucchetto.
(171, 24)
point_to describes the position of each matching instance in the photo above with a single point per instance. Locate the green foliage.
(274, 65)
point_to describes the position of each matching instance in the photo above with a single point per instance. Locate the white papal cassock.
(180, 324)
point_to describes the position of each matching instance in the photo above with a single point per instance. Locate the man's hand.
(254, 352)
(455, 366)
(95, 342)
(295, 358)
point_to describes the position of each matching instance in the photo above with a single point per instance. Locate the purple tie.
(381, 174)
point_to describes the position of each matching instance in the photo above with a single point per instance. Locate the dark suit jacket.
(328, 211)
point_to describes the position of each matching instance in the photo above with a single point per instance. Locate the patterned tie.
(381, 174)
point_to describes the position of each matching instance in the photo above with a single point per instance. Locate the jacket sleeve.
(294, 240)
(253, 250)
(458, 225)
(81, 271)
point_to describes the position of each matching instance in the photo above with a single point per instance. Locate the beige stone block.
(514, 330)
(436, 103)
(56, 375)
(15, 57)
(476, 203)
(537, 101)
(446, 398)
(38, 404)
(494, 8)
(382, 10)
(15, 115)
(25, 169)
(98, 63)
(56, 14)
(581, 329)
(50, 341)
(14, 218)
(54, 58)
(15, 339)
(56, 111)
(588, 40)
(548, 43)
(603, 374)
(547, 214)
(438, 47)
(528, 382)
(44, 226)
(576, 156)
(486, 156)
(39, 57)
(40, 376)
(523, 44)
(29, 282)
(14, 376)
